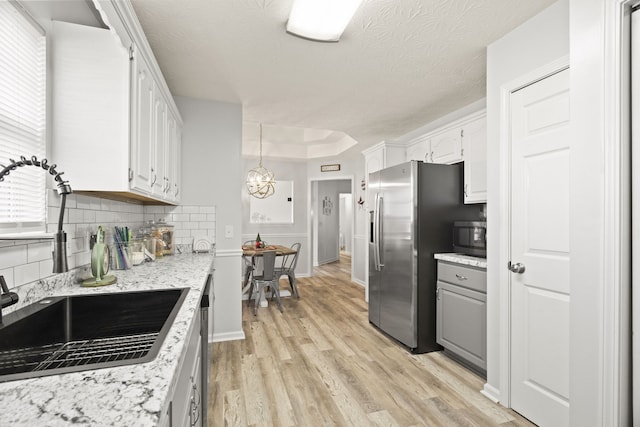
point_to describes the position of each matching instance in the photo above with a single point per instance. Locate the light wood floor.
(321, 363)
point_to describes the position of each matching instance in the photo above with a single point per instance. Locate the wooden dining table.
(249, 251)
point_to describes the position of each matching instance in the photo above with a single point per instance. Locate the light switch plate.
(228, 231)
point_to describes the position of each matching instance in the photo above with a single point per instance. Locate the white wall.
(212, 175)
(282, 234)
(539, 41)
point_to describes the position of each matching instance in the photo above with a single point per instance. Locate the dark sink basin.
(81, 332)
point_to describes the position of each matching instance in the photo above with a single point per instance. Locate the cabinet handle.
(130, 174)
(460, 277)
(155, 177)
(177, 190)
(194, 410)
(465, 190)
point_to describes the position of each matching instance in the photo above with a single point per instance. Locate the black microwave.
(470, 237)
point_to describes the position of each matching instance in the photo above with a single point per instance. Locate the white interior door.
(540, 244)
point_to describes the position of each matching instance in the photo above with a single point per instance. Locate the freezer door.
(375, 275)
(398, 293)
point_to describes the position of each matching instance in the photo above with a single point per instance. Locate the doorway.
(332, 222)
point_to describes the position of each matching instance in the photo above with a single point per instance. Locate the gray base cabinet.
(461, 325)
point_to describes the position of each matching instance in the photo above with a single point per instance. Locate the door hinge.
(461, 133)
(462, 152)
(437, 293)
(131, 53)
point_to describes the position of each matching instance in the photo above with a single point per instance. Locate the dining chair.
(288, 268)
(268, 278)
(249, 265)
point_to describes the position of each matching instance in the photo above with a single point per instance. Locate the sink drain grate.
(76, 353)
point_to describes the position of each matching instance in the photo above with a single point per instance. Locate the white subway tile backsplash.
(182, 233)
(190, 209)
(7, 273)
(26, 273)
(23, 262)
(189, 221)
(89, 216)
(71, 201)
(12, 256)
(105, 217)
(83, 202)
(83, 258)
(39, 251)
(154, 209)
(184, 217)
(75, 216)
(45, 267)
(198, 233)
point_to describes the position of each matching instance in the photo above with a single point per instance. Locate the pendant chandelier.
(261, 182)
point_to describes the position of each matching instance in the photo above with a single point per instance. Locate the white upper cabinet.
(419, 149)
(158, 167)
(474, 144)
(142, 126)
(90, 111)
(114, 123)
(446, 147)
(464, 140)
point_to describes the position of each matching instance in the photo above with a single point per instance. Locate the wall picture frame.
(330, 168)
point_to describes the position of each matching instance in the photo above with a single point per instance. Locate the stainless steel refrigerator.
(415, 204)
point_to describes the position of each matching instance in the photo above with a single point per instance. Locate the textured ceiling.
(399, 65)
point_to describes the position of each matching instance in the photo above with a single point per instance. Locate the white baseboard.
(491, 393)
(359, 282)
(227, 336)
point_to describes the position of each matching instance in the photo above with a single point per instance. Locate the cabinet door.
(177, 163)
(159, 174)
(461, 325)
(173, 158)
(142, 126)
(419, 149)
(446, 147)
(474, 142)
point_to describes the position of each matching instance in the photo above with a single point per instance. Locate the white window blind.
(22, 120)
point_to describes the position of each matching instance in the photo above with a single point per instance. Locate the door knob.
(516, 268)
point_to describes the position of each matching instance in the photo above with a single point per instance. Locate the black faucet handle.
(3, 284)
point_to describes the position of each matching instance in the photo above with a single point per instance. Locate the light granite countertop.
(133, 395)
(463, 259)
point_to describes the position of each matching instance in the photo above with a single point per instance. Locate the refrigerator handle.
(376, 235)
(379, 242)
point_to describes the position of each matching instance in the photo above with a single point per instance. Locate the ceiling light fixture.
(261, 182)
(321, 20)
